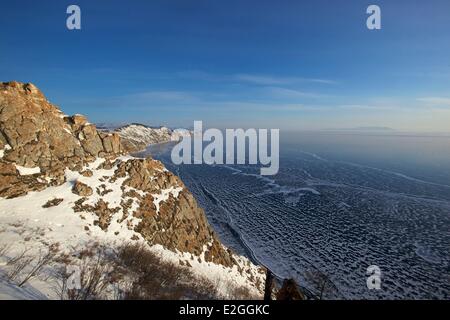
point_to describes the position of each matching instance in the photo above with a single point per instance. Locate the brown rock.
(180, 224)
(81, 189)
(90, 140)
(52, 203)
(76, 121)
(289, 291)
(12, 184)
(111, 143)
(104, 214)
(87, 173)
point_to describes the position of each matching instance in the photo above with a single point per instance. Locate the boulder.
(52, 203)
(81, 189)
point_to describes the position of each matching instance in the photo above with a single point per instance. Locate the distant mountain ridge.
(369, 129)
(136, 136)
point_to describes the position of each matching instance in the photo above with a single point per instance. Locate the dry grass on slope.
(129, 272)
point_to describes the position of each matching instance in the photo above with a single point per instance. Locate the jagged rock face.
(41, 136)
(12, 184)
(177, 222)
(34, 134)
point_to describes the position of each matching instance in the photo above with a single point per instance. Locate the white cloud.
(257, 79)
(171, 96)
(278, 92)
(275, 80)
(436, 101)
(369, 106)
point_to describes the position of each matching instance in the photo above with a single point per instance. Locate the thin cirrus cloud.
(167, 96)
(143, 100)
(269, 99)
(199, 101)
(260, 95)
(438, 102)
(275, 80)
(285, 93)
(256, 79)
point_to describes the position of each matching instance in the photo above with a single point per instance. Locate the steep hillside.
(63, 182)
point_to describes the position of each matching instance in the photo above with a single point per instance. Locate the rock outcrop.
(39, 134)
(36, 134)
(177, 222)
(290, 291)
(41, 147)
(81, 189)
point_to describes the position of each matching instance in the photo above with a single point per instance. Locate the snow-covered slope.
(26, 224)
(178, 134)
(137, 136)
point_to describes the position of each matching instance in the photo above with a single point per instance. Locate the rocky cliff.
(36, 134)
(60, 165)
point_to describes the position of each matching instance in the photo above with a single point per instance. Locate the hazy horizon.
(345, 130)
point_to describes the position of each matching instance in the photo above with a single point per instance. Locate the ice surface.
(334, 216)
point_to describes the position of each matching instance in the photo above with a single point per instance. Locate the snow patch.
(23, 171)
(164, 196)
(2, 151)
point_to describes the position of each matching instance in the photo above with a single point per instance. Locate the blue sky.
(276, 64)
